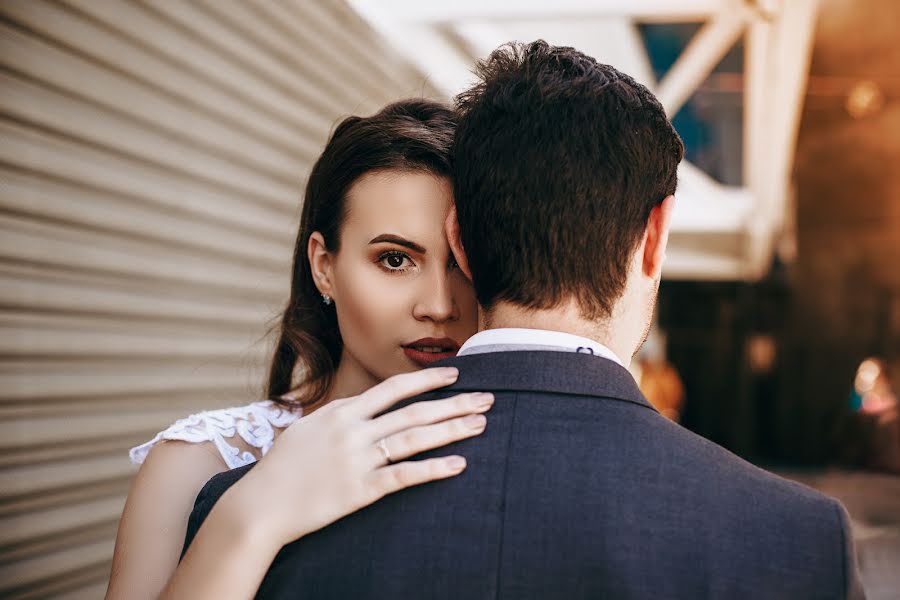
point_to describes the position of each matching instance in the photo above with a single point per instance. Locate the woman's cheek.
(371, 301)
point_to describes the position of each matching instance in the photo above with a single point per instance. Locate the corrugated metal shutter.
(152, 160)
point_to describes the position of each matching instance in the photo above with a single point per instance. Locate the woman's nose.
(436, 301)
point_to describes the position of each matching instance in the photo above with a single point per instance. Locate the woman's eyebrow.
(396, 239)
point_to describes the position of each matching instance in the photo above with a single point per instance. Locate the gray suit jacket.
(578, 489)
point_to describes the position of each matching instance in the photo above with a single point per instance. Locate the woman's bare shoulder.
(155, 517)
(239, 435)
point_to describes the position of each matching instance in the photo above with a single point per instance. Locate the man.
(579, 488)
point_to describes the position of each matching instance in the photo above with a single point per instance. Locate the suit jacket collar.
(500, 340)
(543, 371)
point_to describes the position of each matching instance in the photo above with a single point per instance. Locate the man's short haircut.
(558, 162)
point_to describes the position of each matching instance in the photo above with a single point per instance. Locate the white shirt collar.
(527, 339)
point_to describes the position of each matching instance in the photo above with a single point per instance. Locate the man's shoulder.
(686, 458)
(722, 481)
(672, 465)
(789, 521)
(730, 511)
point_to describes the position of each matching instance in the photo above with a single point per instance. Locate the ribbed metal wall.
(152, 158)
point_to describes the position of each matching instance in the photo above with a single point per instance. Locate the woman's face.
(401, 301)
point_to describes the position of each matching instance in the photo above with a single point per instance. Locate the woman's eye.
(395, 261)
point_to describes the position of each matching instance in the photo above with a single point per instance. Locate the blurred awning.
(721, 231)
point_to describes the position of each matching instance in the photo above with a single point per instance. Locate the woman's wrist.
(248, 503)
(229, 556)
(241, 515)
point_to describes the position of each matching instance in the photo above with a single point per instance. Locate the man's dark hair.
(558, 162)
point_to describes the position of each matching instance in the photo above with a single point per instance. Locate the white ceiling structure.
(719, 232)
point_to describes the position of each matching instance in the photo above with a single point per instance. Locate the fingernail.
(483, 399)
(475, 421)
(456, 462)
(450, 372)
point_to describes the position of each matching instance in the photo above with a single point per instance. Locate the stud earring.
(326, 299)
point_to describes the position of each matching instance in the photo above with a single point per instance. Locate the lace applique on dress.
(254, 422)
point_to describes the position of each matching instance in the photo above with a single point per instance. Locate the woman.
(375, 296)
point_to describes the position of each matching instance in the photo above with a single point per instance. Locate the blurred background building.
(152, 160)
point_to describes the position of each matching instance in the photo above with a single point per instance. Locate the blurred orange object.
(660, 383)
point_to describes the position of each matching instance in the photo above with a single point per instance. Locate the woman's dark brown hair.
(410, 135)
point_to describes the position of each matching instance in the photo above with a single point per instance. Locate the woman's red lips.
(426, 351)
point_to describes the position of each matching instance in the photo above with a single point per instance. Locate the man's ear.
(451, 229)
(657, 237)
(320, 262)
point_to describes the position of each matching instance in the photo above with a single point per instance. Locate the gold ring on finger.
(384, 450)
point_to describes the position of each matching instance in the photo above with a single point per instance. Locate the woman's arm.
(153, 523)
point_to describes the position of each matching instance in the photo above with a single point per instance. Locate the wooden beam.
(698, 60)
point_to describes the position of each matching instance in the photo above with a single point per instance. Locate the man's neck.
(566, 318)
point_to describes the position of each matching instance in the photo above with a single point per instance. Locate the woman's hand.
(336, 460)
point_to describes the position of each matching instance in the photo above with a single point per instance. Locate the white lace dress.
(255, 423)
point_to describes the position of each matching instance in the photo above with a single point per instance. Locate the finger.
(429, 411)
(412, 441)
(400, 387)
(396, 477)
